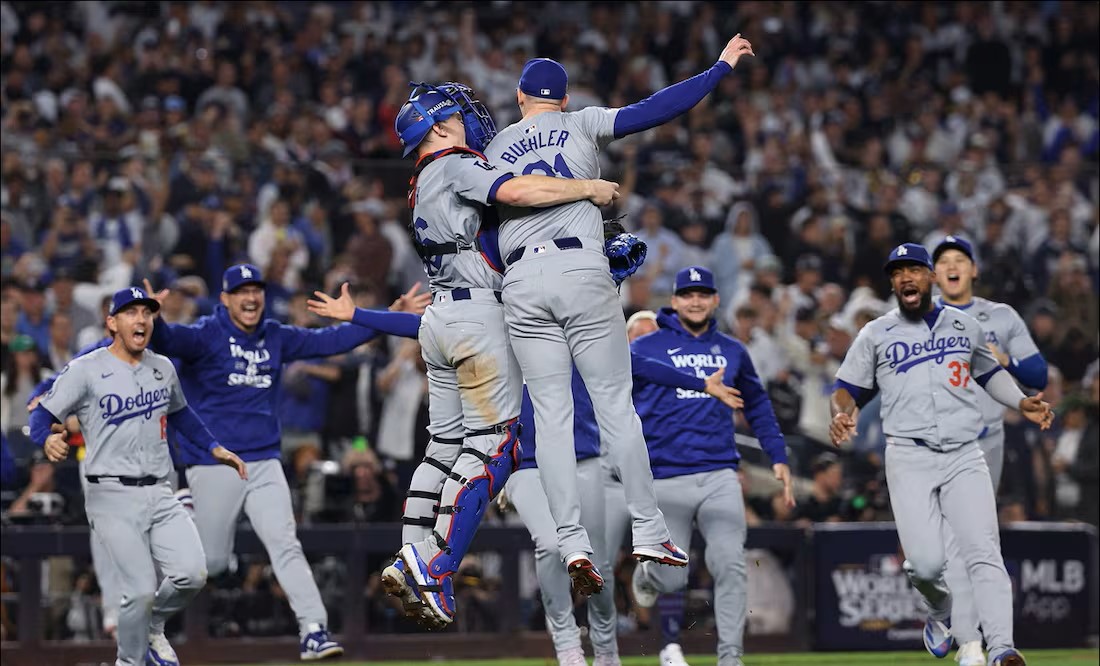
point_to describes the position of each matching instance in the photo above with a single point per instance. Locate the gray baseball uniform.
(526, 493)
(562, 308)
(474, 382)
(123, 412)
(931, 413)
(1003, 327)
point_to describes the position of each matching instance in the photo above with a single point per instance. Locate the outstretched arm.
(545, 191)
(403, 324)
(664, 105)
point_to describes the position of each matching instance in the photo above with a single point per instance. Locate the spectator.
(276, 233)
(824, 505)
(1076, 459)
(735, 251)
(34, 319)
(62, 342)
(16, 385)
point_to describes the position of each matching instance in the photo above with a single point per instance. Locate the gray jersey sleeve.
(598, 123)
(176, 399)
(860, 362)
(982, 362)
(1019, 344)
(68, 394)
(475, 179)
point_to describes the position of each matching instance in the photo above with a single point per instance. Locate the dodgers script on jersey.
(560, 144)
(1004, 327)
(927, 377)
(450, 198)
(123, 411)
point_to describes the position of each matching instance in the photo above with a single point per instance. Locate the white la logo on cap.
(902, 250)
(246, 274)
(949, 239)
(135, 292)
(694, 276)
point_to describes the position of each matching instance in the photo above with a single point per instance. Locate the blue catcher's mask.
(429, 104)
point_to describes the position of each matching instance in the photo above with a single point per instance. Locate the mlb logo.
(545, 92)
(539, 249)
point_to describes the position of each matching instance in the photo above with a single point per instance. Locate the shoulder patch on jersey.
(983, 316)
(157, 374)
(958, 325)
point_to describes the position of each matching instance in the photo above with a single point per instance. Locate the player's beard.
(923, 306)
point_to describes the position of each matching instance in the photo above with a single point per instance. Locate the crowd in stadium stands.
(168, 140)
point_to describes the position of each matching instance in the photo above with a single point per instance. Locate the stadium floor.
(1034, 658)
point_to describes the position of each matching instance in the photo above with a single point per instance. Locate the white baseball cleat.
(572, 657)
(607, 660)
(673, 655)
(645, 593)
(970, 654)
(160, 652)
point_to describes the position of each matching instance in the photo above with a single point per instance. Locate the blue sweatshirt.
(686, 432)
(586, 433)
(232, 378)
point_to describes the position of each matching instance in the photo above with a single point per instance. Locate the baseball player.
(232, 362)
(105, 572)
(929, 362)
(525, 492)
(124, 397)
(1007, 337)
(561, 306)
(473, 379)
(694, 461)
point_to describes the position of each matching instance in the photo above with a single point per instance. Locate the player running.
(928, 361)
(1007, 337)
(694, 458)
(232, 362)
(473, 378)
(561, 305)
(124, 397)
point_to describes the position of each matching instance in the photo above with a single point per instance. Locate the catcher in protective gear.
(625, 251)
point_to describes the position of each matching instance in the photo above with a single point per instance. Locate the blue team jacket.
(586, 434)
(232, 378)
(688, 432)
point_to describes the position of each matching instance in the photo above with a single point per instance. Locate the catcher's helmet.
(429, 104)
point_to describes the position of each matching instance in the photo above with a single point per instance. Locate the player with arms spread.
(930, 362)
(232, 364)
(124, 397)
(694, 458)
(1007, 337)
(474, 383)
(561, 305)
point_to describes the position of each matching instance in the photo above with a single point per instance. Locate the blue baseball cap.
(174, 103)
(953, 243)
(124, 298)
(545, 78)
(694, 277)
(908, 253)
(427, 106)
(238, 276)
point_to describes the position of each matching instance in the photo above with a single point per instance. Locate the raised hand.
(737, 47)
(729, 396)
(227, 457)
(342, 309)
(1037, 411)
(842, 428)
(158, 296)
(411, 301)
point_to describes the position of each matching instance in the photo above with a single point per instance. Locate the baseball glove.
(625, 251)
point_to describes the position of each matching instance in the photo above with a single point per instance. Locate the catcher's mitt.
(625, 251)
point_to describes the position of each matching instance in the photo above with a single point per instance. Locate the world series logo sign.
(864, 600)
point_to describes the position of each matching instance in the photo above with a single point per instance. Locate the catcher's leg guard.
(483, 467)
(422, 501)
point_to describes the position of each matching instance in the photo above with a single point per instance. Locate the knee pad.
(498, 452)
